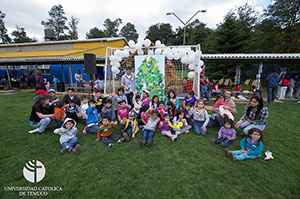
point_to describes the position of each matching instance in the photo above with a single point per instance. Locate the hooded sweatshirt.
(273, 80)
(65, 137)
(110, 112)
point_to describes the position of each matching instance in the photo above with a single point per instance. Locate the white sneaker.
(174, 138)
(34, 130)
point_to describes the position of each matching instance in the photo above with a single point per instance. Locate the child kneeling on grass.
(149, 129)
(68, 137)
(105, 133)
(130, 126)
(226, 134)
(251, 145)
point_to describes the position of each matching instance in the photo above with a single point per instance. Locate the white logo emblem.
(34, 171)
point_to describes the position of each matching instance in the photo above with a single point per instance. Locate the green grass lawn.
(188, 168)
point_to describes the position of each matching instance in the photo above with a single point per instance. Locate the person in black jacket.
(71, 96)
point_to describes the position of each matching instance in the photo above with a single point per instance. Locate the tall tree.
(20, 36)
(112, 27)
(3, 31)
(285, 12)
(73, 30)
(160, 31)
(95, 33)
(56, 21)
(129, 32)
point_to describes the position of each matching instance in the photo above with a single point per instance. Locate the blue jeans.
(128, 131)
(70, 144)
(43, 123)
(106, 139)
(246, 126)
(93, 129)
(205, 92)
(225, 140)
(240, 156)
(198, 128)
(147, 134)
(271, 94)
(298, 93)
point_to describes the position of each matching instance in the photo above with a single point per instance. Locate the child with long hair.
(251, 146)
(180, 125)
(200, 117)
(145, 114)
(190, 98)
(172, 111)
(165, 128)
(172, 98)
(145, 97)
(137, 104)
(188, 114)
(154, 102)
(222, 107)
(226, 134)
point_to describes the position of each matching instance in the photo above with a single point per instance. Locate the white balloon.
(125, 53)
(184, 59)
(114, 69)
(112, 58)
(140, 40)
(191, 59)
(176, 56)
(140, 52)
(118, 71)
(201, 63)
(198, 54)
(157, 43)
(170, 55)
(131, 44)
(117, 64)
(138, 46)
(162, 45)
(117, 53)
(126, 48)
(132, 50)
(198, 69)
(150, 52)
(147, 43)
(118, 59)
(182, 52)
(157, 51)
(191, 66)
(191, 74)
(165, 53)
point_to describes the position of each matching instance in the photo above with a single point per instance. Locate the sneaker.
(126, 137)
(34, 130)
(63, 150)
(222, 144)
(149, 143)
(110, 145)
(175, 138)
(142, 143)
(213, 141)
(42, 133)
(76, 149)
(233, 157)
(227, 153)
(84, 131)
(121, 140)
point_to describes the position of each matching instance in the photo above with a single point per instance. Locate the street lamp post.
(184, 24)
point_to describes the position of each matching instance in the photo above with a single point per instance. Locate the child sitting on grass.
(162, 110)
(71, 110)
(137, 104)
(165, 128)
(105, 133)
(122, 112)
(251, 146)
(130, 126)
(180, 125)
(172, 111)
(145, 98)
(149, 129)
(226, 134)
(200, 117)
(59, 113)
(108, 110)
(145, 114)
(154, 102)
(222, 107)
(92, 122)
(68, 137)
(83, 107)
(188, 115)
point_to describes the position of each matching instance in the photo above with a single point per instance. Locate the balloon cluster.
(185, 54)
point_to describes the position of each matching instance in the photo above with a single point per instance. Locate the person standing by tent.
(39, 81)
(273, 80)
(79, 80)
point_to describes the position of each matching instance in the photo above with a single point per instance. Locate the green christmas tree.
(150, 78)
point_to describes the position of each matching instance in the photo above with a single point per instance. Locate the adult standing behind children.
(41, 114)
(71, 96)
(273, 80)
(79, 80)
(128, 83)
(39, 81)
(255, 115)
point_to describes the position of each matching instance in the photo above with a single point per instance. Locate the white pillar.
(105, 71)
(71, 78)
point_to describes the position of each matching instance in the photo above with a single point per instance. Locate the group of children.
(102, 114)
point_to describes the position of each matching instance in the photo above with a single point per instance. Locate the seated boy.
(130, 126)
(68, 137)
(92, 123)
(59, 113)
(72, 109)
(108, 110)
(105, 133)
(83, 107)
(149, 129)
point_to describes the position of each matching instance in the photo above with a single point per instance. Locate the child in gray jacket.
(68, 137)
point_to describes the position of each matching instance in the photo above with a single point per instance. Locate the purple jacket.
(39, 81)
(165, 126)
(227, 134)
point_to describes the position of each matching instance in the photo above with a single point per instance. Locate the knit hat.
(51, 90)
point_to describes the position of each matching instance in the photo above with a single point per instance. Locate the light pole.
(184, 24)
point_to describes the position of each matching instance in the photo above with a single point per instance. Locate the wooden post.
(63, 73)
(71, 78)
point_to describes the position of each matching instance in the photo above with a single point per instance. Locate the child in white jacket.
(68, 137)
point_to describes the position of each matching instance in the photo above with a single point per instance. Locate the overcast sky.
(142, 13)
